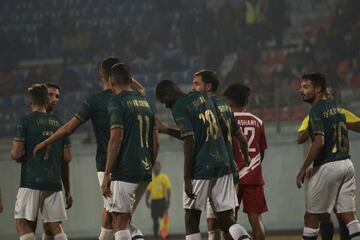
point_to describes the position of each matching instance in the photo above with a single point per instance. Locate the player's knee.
(212, 224)
(53, 228)
(192, 220)
(225, 220)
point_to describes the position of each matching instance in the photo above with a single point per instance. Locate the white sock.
(135, 232)
(60, 236)
(194, 236)
(310, 233)
(238, 232)
(354, 229)
(122, 235)
(106, 234)
(47, 237)
(28, 236)
(211, 235)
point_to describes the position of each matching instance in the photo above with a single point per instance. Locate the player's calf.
(257, 226)
(192, 221)
(228, 224)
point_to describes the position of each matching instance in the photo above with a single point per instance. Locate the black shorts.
(158, 208)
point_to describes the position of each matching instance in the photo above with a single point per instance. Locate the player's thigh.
(53, 207)
(123, 196)
(139, 193)
(254, 201)
(323, 187)
(107, 201)
(200, 188)
(346, 202)
(27, 204)
(24, 226)
(53, 228)
(223, 194)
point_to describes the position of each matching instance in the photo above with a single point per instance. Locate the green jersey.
(95, 108)
(195, 115)
(232, 129)
(44, 171)
(327, 118)
(132, 112)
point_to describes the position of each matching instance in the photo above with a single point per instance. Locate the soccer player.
(53, 100)
(331, 184)
(207, 167)
(132, 150)
(40, 185)
(352, 123)
(207, 81)
(251, 185)
(159, 191)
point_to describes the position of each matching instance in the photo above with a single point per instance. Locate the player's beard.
(50, 108)
(309, 98)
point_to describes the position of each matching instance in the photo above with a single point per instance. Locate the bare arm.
(67, 129)
(17, 151)
(302, 136)
(244, 147)
(114, 146)
(189, 147)
(168, 195)
(314, 151)
(156, 145)
(138, 87)
(169, 131)
(147, 198)
(65, 176)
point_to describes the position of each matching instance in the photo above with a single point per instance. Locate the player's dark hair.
(38, 94)
(107, 64)
(166, 87)
(52, 85)
(209, 77)
(318, 79)
(237, 93)
(121, 74)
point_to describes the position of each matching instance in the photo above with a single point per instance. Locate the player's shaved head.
(209, 77)
(238, 94)
(318, 79)
(107, 64)
(38, 94)
(167, 92)
(120, 74)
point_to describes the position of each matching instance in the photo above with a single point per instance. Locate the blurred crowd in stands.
(265, 44)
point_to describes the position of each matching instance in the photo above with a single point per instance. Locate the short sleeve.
(85, 111)
(315, 123)
(115, 112)
(167, 183)
(304, 125)
(182, 120)
(350, 117)
(20, 131)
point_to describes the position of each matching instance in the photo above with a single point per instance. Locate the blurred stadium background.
(267, 48)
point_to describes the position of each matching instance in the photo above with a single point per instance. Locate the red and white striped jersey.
(254, 130)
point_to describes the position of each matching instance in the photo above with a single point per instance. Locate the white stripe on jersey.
(255, 162)
(240, 114)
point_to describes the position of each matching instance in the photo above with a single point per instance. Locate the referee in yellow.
(158, 191)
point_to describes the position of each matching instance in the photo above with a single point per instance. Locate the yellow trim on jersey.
(116, 126)
(349, 116)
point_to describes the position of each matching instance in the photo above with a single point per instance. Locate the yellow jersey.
(349, 116)
(159, 186)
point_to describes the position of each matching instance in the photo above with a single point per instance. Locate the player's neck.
(38, 108)
(122, 88)
(238, 109)
(318, 98)
(106, 85)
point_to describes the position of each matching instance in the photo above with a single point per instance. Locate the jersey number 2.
(250, 133)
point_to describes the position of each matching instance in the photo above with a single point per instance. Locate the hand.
(162, 128)
(300, 178)
(189, 189)
(105, 187)
(167, 205)
(309, 172)
(38, 148)
(68, 200)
